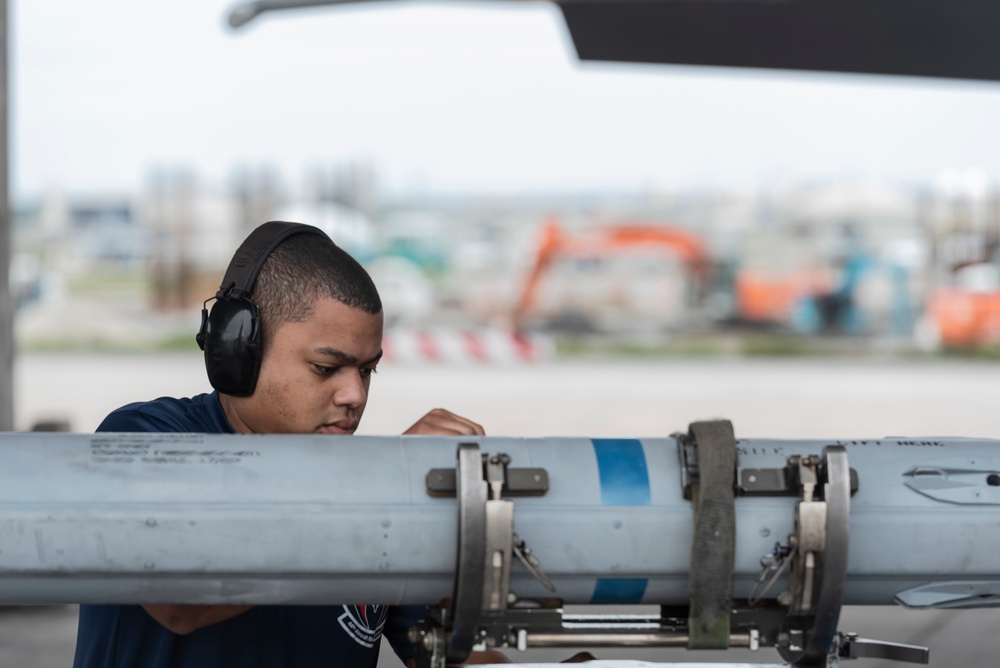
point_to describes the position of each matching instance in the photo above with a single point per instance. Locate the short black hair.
(303, 269)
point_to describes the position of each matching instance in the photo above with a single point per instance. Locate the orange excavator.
(629, 243)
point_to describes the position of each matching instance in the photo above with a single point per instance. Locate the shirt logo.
(364, 623)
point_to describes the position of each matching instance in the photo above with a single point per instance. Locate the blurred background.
(563, 247)
(493, 183)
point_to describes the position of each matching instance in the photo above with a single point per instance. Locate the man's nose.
(351, 392)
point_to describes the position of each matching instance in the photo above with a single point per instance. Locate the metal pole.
(6, 302)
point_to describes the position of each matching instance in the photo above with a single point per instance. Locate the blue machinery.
(750, 543)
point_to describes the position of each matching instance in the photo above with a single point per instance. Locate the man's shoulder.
(200, 413)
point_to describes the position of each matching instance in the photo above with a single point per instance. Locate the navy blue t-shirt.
(285, 636)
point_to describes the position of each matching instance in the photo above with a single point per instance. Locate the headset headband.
(252, 253)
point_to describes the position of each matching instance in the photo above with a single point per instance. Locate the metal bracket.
(777, 482)
(517, 482)
(850, 646)
(487, 546)
(499, 537)
(819, 567)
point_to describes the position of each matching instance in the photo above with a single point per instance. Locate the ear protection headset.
(231, 334)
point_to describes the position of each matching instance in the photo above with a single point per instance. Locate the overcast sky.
(456, 97)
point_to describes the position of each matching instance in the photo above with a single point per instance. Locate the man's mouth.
(340, 427)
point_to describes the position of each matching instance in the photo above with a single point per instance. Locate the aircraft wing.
(927, 38)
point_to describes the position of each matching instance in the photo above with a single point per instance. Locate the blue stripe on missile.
(619, 591)
(621, 465)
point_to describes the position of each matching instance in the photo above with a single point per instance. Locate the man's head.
(302, 269)
(320, 318)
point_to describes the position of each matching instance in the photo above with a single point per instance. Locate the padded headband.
(252, 253)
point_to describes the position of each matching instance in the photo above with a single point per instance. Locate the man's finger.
(442, 422)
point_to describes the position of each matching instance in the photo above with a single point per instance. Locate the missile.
(282, 519)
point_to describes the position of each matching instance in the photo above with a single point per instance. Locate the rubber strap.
(714, 546)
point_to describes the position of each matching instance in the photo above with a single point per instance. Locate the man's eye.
(367, 371)
(325, 370)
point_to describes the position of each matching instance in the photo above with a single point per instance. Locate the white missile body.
(212, 519)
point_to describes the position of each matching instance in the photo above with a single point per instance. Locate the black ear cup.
(231, 339)
(230, 334)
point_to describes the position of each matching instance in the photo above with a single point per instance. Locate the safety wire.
(772, 565)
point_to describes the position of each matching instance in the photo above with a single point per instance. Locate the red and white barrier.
(455, 346)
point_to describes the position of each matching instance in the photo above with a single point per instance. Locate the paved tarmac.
(804, 398)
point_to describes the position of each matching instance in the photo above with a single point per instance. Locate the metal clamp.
(819, 571)
(466, 603)
(487, 546)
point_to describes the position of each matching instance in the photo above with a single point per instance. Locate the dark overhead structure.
(927, 38)
(954, 39)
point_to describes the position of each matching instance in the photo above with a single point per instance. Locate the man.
(291, 346)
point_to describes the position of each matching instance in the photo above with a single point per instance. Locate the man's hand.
(580, 657)
(487, 656)
(440, 422)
